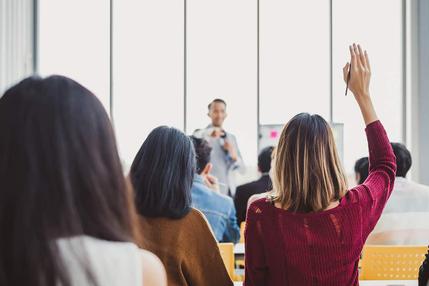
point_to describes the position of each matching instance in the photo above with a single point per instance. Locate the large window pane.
(148, 70)
(294, 58)
(377, 25)
(74, 39)
(222, 63)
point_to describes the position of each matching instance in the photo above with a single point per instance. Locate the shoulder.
(153, 270)
(413, 186)
(256, 197)
(258, 208)
(247, 186)
(231, 136)
(195, 218)
(360, 194)
(200, 227)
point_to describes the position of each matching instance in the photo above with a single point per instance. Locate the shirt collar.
(401, 179)
(198, 179)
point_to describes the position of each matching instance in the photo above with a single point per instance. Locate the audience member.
(218, 208)
(405, 219)
(244, 192)
(313, 230)
(424, 272)
(225, 157)
(162, 174)
(66, 212)
(361, 170)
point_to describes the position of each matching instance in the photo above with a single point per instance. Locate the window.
(221, 60)
(294, 59)
(74, 40)
(377, 25)
(148, 66)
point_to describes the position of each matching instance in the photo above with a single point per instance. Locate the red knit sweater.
(323, 248)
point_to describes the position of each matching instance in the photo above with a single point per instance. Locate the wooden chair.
(227, 253)
(242, 228)
(391, 262)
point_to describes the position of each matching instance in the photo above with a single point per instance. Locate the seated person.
(405, 218)
(218, 208)
(244, 192)
(424, 272)
(361, 170)
(162, 174)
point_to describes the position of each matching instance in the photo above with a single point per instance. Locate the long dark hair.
(162, 174)
(60, 176)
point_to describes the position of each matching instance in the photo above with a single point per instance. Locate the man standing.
(225, 156)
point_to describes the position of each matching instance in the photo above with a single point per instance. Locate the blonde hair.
(307, 173)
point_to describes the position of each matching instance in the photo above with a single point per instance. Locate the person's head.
(361, 170)
(162, 174)
(60, 176)
(308, 175)
(264, 159)
(403, 159)
(202, 152)
(217, 112)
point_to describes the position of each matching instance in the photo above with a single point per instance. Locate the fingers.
(353, 60)
(368, 66)
(361, 56)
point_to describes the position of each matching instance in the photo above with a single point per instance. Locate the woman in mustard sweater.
(162, 175)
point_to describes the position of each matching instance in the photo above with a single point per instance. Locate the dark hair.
(216, 100)
(264, 159)
(403, 159)
(162, 173)
(60, 176)
(202, 152)
(362, 168)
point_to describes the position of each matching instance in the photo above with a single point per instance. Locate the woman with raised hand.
(162, 174)
(66, 213)
(313, 229)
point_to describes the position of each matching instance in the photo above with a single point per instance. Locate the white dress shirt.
(405, 219)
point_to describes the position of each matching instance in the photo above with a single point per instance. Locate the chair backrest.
(227, 253)
(391, 262)
(242, 227)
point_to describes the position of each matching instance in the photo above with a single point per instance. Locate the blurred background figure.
(225, 156)
(361, 170)
(218, 208)
(262, 185)
(405, 219)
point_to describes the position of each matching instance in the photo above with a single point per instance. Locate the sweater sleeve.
(376, 189)
(203, 265)
(256, 269)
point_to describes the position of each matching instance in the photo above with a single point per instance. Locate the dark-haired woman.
(66, 217)
(162, 175)
(312, 230)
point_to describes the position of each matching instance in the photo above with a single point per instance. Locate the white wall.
(157, 75)
(16, 41)
(73, 40)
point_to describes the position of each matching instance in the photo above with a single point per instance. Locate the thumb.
(346, 70)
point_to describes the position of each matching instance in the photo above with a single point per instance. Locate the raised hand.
(360, 75)
(360, 71)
